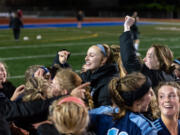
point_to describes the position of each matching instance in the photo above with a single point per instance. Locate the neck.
(171, 123)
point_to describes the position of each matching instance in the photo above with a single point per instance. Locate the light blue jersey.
(162, 129)
(130, 124)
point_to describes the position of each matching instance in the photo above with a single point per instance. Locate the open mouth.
(88, 64)
(168, 106)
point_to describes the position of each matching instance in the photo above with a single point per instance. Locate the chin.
(144, 109)
(169, 114)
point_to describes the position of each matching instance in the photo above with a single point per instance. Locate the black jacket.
(8, 89)
(49, 129)
(25, 112)
(4, 126)
(16, 110)
(99, 83)
(132, 63)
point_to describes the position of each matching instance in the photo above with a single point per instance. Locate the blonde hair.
(30, 71)
(36, 88)
(156, 110)
(69, 117)
(68, 79)
(165, 57)
(130, 82)
(88, 98)
(117, 59)
(6, 68)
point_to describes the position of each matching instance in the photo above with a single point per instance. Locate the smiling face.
(94, 58)
(3, 73)
(168, 100)
(151, 60)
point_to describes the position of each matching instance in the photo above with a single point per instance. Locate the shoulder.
(86, 76)
(100, 120)
(145, 125)
(160, 127)
(103, 110)
(46, 129)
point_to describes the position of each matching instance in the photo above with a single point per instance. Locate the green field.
(18, 55)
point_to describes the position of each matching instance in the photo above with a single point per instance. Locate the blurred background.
(94, 8)
(51, 25)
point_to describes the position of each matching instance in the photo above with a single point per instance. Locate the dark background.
(96, 8)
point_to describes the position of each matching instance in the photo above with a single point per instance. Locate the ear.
(104, 60)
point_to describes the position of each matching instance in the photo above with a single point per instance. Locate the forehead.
(2, 65)
(166, 89)
(151, 50)
(94, 49)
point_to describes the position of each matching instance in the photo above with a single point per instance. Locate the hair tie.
(71, 99)
(102, 49)
(45, 69)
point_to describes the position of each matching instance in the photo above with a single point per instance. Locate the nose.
(166, 99)
(86, 58)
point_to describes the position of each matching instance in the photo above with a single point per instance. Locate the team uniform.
(162, 129)
(130, 124)
(103, 110)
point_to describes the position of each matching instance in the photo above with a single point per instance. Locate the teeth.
(87, 63)
(168, 106)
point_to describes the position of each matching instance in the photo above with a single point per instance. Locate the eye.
(91, 55)
(161, 96)
(149, 56)
(172, 96)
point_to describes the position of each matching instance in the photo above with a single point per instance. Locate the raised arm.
(127, 50)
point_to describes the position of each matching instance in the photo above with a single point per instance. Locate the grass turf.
(18, 55)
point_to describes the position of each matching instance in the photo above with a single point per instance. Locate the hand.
(19, 90)
(80, 90)
(129, 21)
(84, 68)
(41, 73)
(63, 56)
